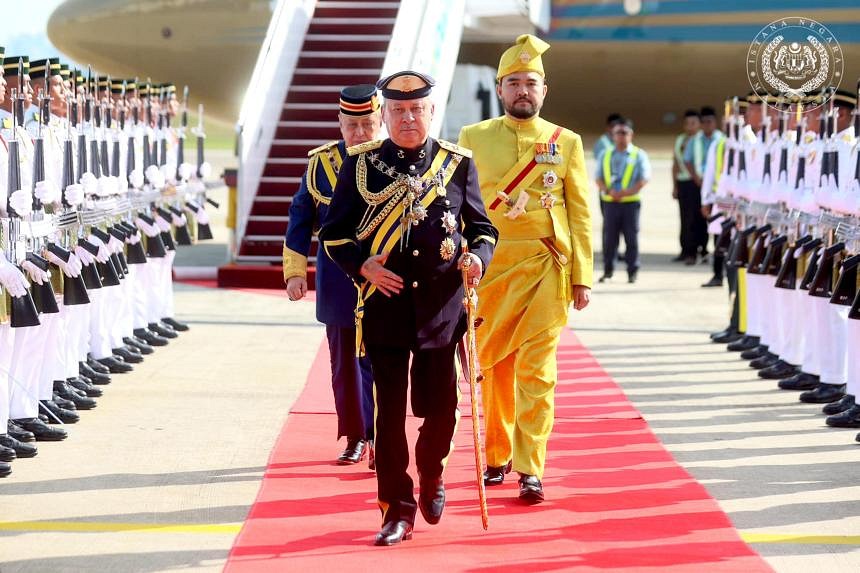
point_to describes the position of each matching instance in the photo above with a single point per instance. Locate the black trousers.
(694, 227)
(351, 384)
(719, 258)
(621, 219)
(434, 398)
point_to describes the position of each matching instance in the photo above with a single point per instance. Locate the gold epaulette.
(454, 148)
(364, 147)
(323, 147)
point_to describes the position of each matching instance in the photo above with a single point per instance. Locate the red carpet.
(616, 500)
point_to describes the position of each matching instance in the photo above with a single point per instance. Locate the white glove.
(36, 274)
(12, 279)
(67, 267)
(84, 256)
(205, 170)
(154, 176)
(89, 183)
(202, 216)
(150, 230)
(106, 186)
(186, 170)
(103, 255)
(162, 224)
(133, 239)
(114, 245)
(136, 179)
(121, 184)
(178, 221)
(75, 265)
(47, 192)
(22, 202)
(75, 194)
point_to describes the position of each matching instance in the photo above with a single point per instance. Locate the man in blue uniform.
(396, 225)
(622, 172)
(352, 381)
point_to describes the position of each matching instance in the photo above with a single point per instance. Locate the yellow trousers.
(518, 396)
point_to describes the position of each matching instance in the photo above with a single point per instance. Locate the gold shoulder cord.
(311, 181)
(369, 197)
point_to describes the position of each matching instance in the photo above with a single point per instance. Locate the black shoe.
(17, 432)
(824, 394)
(371, 456)
(162, 330)
(354, 452)
(679, 258)
(394, 532)
(778, 371)
(7, 454)
(65, 415)
(531, 489)
(115, 366)
(86, 386)
(127, 356)
(97, 366)
(67, 392)
(605, 277)
(800, 381)
(726, 336)
(5, 469)
(850, 418)
(139, 345)
(745, 342)
(846, 402)
(93, 376)
(714, 282)
(689, 261)
(495, 475)
(175, 324)
(150, 337)
(754, 353)
(42, 431)
(764, 361)
(62, 402)
(21, 449)
(631, 277)
(431, 499)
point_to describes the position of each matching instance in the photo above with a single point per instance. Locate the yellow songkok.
(524, 56)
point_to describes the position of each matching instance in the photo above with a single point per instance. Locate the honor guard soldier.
(401, 211)
(534, 181)
(351, 378)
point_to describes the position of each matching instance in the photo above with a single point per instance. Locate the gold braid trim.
(311, 181)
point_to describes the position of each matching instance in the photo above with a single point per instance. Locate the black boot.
(431, 499)
(67, 392)
(850, 418)
(150, 337)
(138, 344)
(846, 402)
(800, 381)
(19, 433)
(21, 449)
(746, 342)
(116, 366)
(778, 370)
(97, 366)
(824, 394)
(42, 431)
(754, 353)
(175, 324)
(93, 376)
(531, 489)
(84, 384)
(495, 475)
(726, 336)
(354, 452)
(764, 361)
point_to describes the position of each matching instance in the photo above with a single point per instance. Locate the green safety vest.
(683, 174)
(718, 172)
(625, 179)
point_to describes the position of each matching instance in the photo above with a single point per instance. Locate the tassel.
(359, 314)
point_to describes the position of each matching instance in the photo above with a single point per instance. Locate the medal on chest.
(547, 153)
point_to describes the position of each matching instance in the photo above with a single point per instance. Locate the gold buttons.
(415, 253)
(414, 284)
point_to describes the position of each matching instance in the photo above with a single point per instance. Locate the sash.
(330, 170)
(389, 231)
(523, 172)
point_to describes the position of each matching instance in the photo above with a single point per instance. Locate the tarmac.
(160, 476)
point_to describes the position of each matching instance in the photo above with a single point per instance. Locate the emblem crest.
(447, 249)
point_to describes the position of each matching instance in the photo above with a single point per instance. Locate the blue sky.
(23, 30)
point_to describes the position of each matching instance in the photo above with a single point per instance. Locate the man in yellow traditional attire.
(534, 182)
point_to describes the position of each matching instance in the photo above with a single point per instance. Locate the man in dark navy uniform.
(403, 207)
(352, 381)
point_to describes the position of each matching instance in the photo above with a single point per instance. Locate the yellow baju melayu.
(526, 291)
